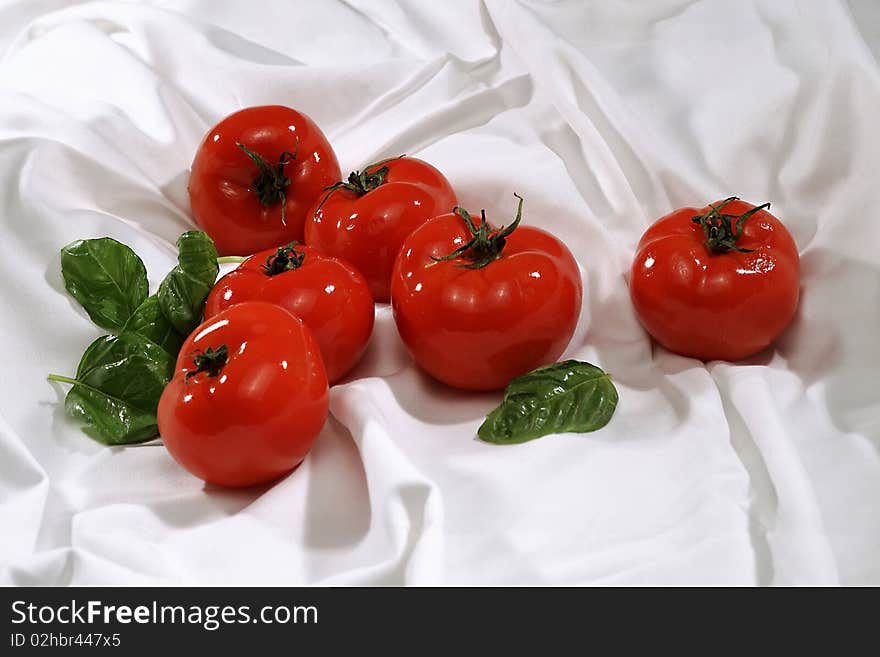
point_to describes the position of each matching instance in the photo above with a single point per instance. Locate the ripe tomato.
(717, 283)
(478, 306)
(329, 295)
(366, 219)
(248, 398)
(255, 176)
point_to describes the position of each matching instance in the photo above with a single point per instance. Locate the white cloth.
(604, 116)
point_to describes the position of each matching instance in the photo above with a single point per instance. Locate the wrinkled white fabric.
(605, 116)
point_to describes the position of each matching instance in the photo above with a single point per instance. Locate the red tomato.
(255, 176)
(248, 398)
(366, 219)
(329, 295)
(478, 306)
(720, 283)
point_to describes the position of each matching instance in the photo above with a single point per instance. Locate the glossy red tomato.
(366, 219)
(248, 398)
(477, 307)
(328, 294)
(256, 175)
(717, 283)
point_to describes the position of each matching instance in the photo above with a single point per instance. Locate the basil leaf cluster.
(121, 376)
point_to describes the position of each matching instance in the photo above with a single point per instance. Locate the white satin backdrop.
(604, 116)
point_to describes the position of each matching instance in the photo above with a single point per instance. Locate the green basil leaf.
(118, 384)
(106, 277)
(183, 292)
(559, 398)
(150, 322)
(108, 420)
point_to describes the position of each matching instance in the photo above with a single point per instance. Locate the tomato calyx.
(721, 234)
(285, 258)
(211, 361)
(487, 243)
(363, 181)
(271, 184)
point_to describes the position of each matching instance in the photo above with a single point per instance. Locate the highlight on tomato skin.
(255, 176)
(716, 283)
(365, 219)
(248, 398)
(327, 293)
(477, 305)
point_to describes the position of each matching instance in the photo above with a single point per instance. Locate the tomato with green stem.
(248, 397)
(256, 175)
(477, 305)
(717, 283)
(328, 294)
(365, 219)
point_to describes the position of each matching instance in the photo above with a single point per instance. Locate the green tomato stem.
(271, 184)
(487, 243)
(62, 379)
(720, 230)
(284, 259)
(361, 182)
(74, 382)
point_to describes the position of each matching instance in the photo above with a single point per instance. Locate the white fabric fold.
(604, 117)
